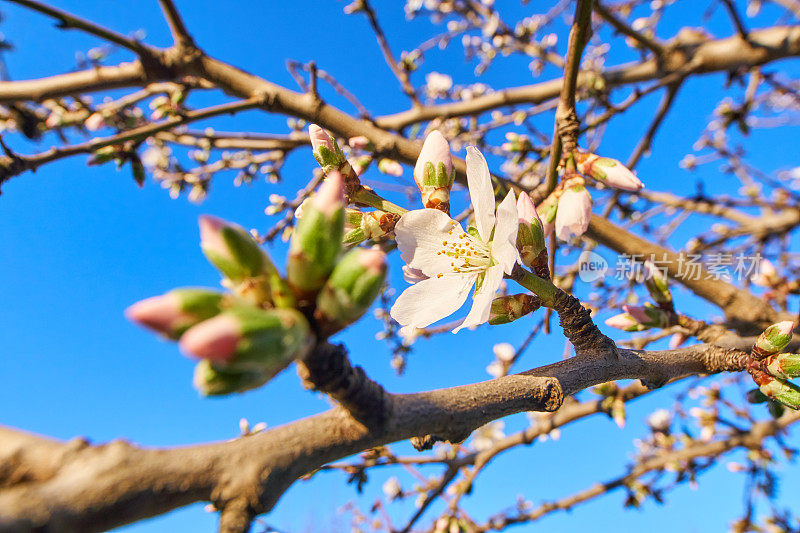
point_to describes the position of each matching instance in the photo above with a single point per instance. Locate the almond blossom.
(455, 260)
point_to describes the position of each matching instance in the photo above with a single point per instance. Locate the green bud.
(171, 314)
(784, 365)
(249, 339)
(317, 239)
(349, 292)
(213, 380)
(781, 391)
(657, 284)
(270, 339)
(774, 339)
(509, 308)
(231, 249)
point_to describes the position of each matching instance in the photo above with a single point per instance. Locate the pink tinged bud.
(159, 313)
(319, 138)
(622, 321)
(330, 196)
(211, 238)
(620, 177)
(677, 340)
(785, 328)
(610, 172)
(638, 313)
(526, 210)
(574, 212)
(390, 167)
(214, 339)
(766, 276)
(413, 275)
(373, 261)
(358, 143)
(94, 122)
(435, 150)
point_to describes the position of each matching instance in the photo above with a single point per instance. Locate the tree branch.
(76, 486)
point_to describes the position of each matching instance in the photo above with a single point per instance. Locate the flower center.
(468, 254)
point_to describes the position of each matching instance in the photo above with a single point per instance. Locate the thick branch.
(741, 308)
(77, 487)
(716, 55)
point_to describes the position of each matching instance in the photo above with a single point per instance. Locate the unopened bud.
(249, 339)
(783, 365)
(176, 311)
(509, 308)
(766, 275)
(781, 391)
(774, 339)
(325, 150)
(608, 171)
(331, 159)
(434, 173)
(213, 380)
(530, 236)
(371, 225)
(317, 239)
(640, 318)
(657, 284)
(231, 249)
(574, 211)
(625, 322)
(349, 292)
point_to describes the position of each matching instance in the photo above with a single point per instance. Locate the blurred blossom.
(504, 352)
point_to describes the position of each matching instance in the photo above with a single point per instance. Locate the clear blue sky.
(82, 243)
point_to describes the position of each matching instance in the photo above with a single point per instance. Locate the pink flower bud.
(526, 211)
(766, 276)
(319, 138)
(358, 143)
(435, 150)
(159, 313)
(373, 260)
(784, 328)
(620, 177)
(638, 313)
(677, 340)
(610, 172)
(211, 235)
(574, 212)
(94, 122)
(330, 196)
(390, 167)
(215, 339)
(622, 321)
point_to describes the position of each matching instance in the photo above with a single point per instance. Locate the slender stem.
(368, 197)
(68, 20)
(543, 288)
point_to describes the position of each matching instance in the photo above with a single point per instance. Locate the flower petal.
(482, 300)
(481, 192)
(420, 235)
(432, 299)
(504, 243)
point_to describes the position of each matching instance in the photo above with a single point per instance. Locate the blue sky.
(82, 243)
